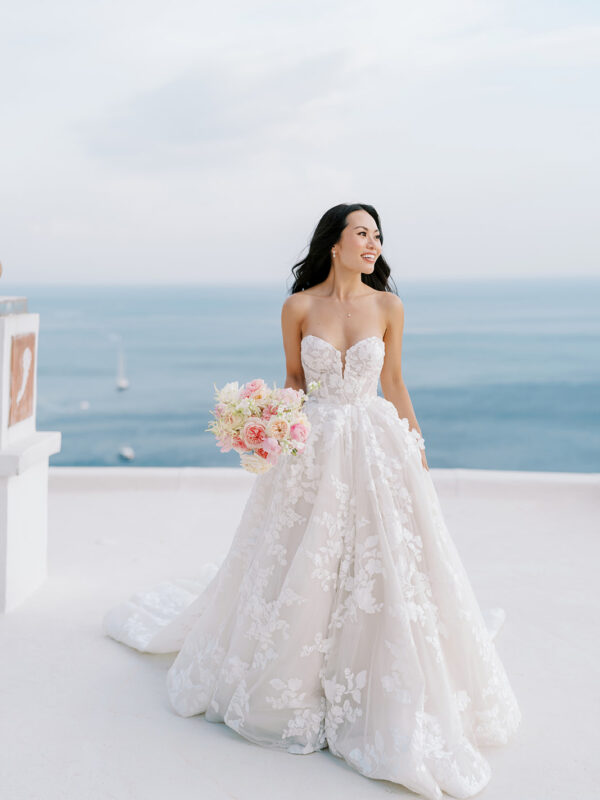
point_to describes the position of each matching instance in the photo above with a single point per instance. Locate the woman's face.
(359, 246)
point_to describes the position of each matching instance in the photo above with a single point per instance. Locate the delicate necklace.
(348, 314)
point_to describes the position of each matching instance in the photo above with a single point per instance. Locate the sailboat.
(122, 380)
(126, 452)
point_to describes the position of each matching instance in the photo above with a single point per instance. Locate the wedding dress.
(342, 615)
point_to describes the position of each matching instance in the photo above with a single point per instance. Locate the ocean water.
(502, 374)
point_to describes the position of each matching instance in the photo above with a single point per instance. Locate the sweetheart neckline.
(320, 338)
(343, 361)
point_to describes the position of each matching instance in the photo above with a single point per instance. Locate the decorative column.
(24, 454)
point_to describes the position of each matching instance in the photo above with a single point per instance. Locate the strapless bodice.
(353, 382)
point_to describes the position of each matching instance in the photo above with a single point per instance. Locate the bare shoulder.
(391, 302)
(293, 313)
(392, 308)
(295, 306)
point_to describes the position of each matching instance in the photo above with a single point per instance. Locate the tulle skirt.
(341, 617)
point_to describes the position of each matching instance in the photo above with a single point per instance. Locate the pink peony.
(299, 432)
(253, 432)
(273, 448)
(252, 387)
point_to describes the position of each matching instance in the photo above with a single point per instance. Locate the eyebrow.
(365, 227)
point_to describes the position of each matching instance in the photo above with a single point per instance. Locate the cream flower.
(278, 428)
(229, 393)
(253, 463)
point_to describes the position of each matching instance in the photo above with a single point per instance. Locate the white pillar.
(24, 454)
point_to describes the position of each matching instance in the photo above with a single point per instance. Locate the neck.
(342, 284)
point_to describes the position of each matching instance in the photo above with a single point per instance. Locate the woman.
(342, 615)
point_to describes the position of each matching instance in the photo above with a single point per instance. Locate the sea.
(502, 374)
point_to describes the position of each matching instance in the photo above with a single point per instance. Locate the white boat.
(127, 453)
(122, 381)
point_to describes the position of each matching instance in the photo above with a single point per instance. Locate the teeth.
(369, 257)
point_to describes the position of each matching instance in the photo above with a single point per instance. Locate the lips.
(370, 257)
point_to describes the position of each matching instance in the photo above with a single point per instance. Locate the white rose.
(253, 463)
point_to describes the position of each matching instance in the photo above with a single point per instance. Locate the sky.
(192, 142)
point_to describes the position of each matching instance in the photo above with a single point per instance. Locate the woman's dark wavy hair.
(314, 268)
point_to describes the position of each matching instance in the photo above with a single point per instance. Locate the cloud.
(191, 134)
(217, 110)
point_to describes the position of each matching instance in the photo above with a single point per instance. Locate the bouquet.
(260, 423)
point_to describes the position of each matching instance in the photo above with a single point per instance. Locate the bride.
(342, 615)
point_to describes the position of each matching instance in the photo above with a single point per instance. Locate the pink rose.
(238, 444)
(252, 387)
(299, 432)
(253, 433)
(289, 396)
(273, 448)
(268, 412)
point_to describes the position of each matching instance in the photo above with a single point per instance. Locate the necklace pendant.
(347, 315)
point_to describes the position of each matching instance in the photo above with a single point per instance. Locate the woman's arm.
(392, 383)
(292, 315)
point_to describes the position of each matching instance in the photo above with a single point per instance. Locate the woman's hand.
(420, 441)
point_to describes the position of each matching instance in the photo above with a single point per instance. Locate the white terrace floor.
(86, 718)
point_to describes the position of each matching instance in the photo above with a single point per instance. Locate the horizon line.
(274, 284)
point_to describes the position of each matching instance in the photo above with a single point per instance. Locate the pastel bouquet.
(260, 423)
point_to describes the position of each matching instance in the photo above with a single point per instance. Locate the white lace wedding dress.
(342, 615)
